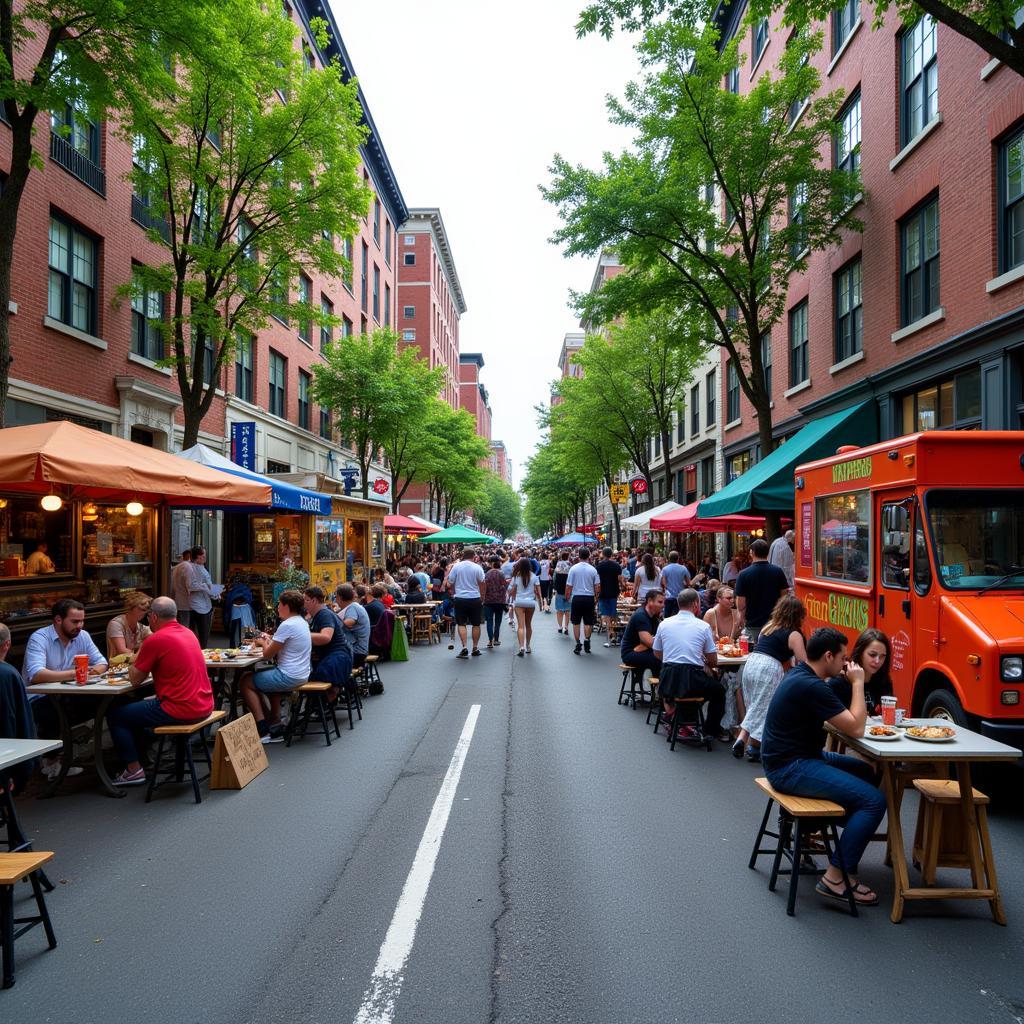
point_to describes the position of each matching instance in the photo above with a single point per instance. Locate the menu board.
(264, 541)
(806, 534)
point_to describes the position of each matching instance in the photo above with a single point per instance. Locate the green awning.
(768, 486)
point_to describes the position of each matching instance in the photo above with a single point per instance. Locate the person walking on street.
(546, 569)
(582, 588)
(562, 607)
(781, 554)
(758, 588)
(524, 596)
(181, 574)
(466, 582)
(495, 586)
(609, 571)
(200, 597)
(674, 578)
(647, 577)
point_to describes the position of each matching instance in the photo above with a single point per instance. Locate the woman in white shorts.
(524, 596)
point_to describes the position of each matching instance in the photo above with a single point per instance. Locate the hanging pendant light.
(51, 502)
(134, 508)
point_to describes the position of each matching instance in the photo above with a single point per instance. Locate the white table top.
(725, 661)
(14, 752)
(242, 661)
(965, 746)
(97, 689)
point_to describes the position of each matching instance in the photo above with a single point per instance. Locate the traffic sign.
(639, 485)
(619, 494)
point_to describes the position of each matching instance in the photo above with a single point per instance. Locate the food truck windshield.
(977, 537)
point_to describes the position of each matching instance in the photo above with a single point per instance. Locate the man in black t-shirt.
(638, 638)
(332, 650)
(609, 572)
(795, 763)
(758, 587)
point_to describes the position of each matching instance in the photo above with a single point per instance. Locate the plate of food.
(931, 733)
(886, 733)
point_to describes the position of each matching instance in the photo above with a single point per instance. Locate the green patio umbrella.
(457, 535)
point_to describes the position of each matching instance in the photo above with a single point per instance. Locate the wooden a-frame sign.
(238, 755)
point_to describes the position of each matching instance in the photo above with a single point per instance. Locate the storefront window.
(34, 542)
(355, 549)
(378, 543)
(842, 526)
(330, 540)
(117, 551)
(944, 405)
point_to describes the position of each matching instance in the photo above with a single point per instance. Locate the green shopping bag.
(399, 644)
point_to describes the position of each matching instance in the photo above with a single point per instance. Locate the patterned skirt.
(761, 677)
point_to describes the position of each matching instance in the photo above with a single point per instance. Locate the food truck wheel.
(945, 704)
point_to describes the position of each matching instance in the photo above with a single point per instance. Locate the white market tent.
(642, 520)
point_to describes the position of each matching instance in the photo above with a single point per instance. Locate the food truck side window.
(922, 567)
(895, 546)
(843, 532)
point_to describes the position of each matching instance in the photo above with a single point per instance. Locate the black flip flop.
(824, 889)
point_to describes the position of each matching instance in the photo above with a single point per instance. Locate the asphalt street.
(585, 873)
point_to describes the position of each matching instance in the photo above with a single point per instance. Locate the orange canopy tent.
(76, 462)
(684, 520)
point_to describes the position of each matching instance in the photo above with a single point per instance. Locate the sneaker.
(463, 653)
(577, 649)
(127, 778)
(753, 754)
(529, 651)
(51, 770)
(497, 643)
(490, 644)
(607, 644)
(477, 652)
(276, 734)
(520, 653)
(586, 646)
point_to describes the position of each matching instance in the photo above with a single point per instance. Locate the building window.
(409, 334)
(681, 423)
(848, 135)
(209, 362)
(273, 466)
(732, 80)
(304, 380)
(919, 78)
(277, 291)
(346, 251)
(944, 405)
(737, 465)
(73, 276)
(376, 293)
(71, 123)
(243, 367)
(276, 398)
(326, 428)
(364, 285)
(798, 344)
(387, 241)
(712, 395)
(843, 20)
(305, 297)
(766, 361)
(376, 221)
(797, 221)
(387, 305)
(695, 410)
(326, 330)
(346, 327)
(1011, 201)
(920, 262)
(410, 239)
(409, 259)
(732, 392)
(147, 321)
(849, 311)
(760, 38)
(408, 312)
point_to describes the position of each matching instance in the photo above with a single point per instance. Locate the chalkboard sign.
(238, 755)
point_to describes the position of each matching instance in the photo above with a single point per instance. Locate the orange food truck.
(923, 538)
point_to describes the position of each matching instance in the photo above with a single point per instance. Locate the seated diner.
(125, 632)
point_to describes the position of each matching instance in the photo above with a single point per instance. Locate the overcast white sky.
(472, 99)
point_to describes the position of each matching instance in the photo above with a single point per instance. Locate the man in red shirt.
(183, 693)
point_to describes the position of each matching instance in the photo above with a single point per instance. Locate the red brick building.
(430, 295)
(472, 393)
(80, 354)
(923, 313)
(501, 464)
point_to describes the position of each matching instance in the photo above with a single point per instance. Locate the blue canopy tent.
(285, 497)
(573, 539)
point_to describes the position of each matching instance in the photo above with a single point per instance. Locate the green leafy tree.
(357, 382)
(997, 26)
(555, 490)
(453, 468)
(499, 509)
(74, 60)
(248, 166)
(700, 150)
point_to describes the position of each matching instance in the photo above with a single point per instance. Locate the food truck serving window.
(842, 527)
(977, 537)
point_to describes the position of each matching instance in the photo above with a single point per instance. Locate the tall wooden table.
(966, 747)
(219, 668)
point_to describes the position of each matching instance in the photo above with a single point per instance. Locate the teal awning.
(768, 486)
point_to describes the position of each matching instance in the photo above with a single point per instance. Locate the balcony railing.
(141, 215)
(63, 153)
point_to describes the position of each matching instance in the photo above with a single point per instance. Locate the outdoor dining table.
(965, 747)
(14, 752)
(104, 691)
(732, 680)
(220, 668)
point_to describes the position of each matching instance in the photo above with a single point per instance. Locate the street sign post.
(619, 494)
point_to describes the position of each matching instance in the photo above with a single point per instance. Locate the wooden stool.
(182, 754)
(654, 708)
(696, 704)
(938, 847)
(420, 629)
(370, 673)
(310, 699)
(795, 812)
(13, 868)
(636, 677)
(435, 630)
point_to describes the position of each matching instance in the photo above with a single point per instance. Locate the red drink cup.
(81, 669)
(888, 711)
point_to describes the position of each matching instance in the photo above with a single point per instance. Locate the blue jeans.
(124, 719)
(849, 782)
(493, 616)
(641, 660)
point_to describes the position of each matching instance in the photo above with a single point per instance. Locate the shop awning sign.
(243, 445)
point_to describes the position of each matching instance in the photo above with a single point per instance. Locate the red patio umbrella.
(684, 520)
(403, 524)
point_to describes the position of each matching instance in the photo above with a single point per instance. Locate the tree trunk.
(666, 445)
(772, 520)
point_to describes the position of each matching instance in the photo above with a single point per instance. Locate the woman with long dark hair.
(873, 652)
(524, 595)
(648, 577)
